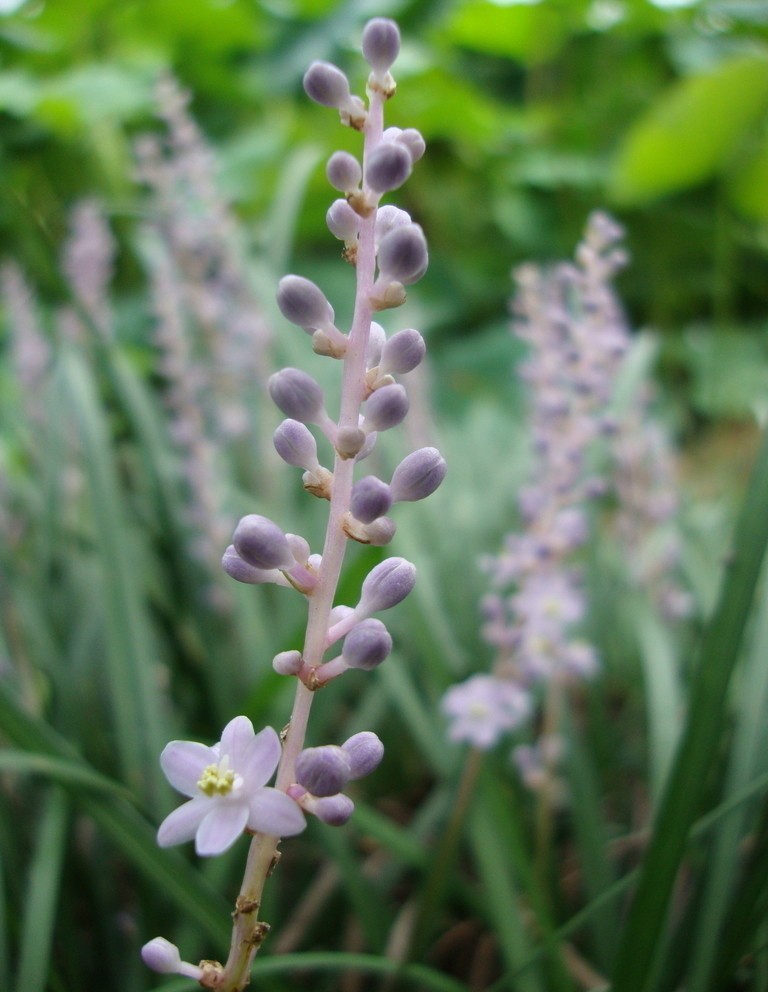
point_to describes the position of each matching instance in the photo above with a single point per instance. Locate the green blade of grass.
(643, 933)
(128, 830)
(131, 655)
(41, 895)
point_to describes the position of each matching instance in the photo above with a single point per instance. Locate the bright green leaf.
(692, 131)
(527, 32)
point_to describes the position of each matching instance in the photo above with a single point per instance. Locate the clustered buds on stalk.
(226, 784)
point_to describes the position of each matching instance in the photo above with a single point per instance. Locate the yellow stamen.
(216, 780)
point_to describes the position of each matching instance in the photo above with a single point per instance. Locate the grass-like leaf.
(643, 933)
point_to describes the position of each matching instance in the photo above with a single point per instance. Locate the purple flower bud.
(287, 662)
(349, 441)
(388, 218)
(381, 43)
(343, 172)
(365, 752)
(387, 167)
(386, 585)
(299, 547)
(295, 444)
(376, 342)
(261, 543)
(323, 771)
(342, 221)
(386, 408)
(402, 352)
(370, 499)
(240, 570)
(326, 84)
(418, 475)
(297, 394)
(303, 303)
(163, 957)
(333, 810)
(366, 645)
(402, 255)
(380, 531)
(414, 142)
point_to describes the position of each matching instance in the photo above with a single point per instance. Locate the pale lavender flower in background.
(227, 787)
(483, 708)
(88, 263)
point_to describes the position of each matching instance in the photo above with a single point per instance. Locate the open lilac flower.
(484, 708)
(227, 787)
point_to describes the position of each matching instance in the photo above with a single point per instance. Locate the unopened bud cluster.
(226, 783)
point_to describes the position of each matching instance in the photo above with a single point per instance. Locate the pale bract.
(227, 789)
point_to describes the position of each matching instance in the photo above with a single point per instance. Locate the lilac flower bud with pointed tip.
(163, 957)
(297, 394)
(380, 531)
(326, 84)
(342, 221)
(296, 445)
(366, 645)
(387, 167)
(376, 341)
(386, 585)
(262, 543)
(344, 172)
(388, 218)
(365, 752)
(240, 570)
(370, 498)
(402, 352)
(287, 662)
(414, 142)
(323, 771)
(386, 408)
(303, 303)
(381, 43)
(418, 475)
(333, 810)
(402, 255)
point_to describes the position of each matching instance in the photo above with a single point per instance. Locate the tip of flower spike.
(163, 957)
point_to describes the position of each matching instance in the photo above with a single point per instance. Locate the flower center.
(217, 780)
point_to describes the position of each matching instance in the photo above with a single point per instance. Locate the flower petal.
(181, 825)
(183, 763)
(221, 827)
(274, 813)
(236, 740)
(260, 761)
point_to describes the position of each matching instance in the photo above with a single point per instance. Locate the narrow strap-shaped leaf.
(41, 896)
(643, 933)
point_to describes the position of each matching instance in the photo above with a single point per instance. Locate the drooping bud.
(386, 408)
(333, 810)
(342, 221)
(365, 752)
(240, 570)
(402, 255)
(370, 498)
(388, 218)
(327, 85)
(163, 957)
(381, 43)
(387, 167)
(323, 771)
(262, 543)
(287, 662)
(296, 445)
(386, 585)
(304, 303)
(366, 645)
(418, 475)
(344, 172)
(297, 394)
(402, 352)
